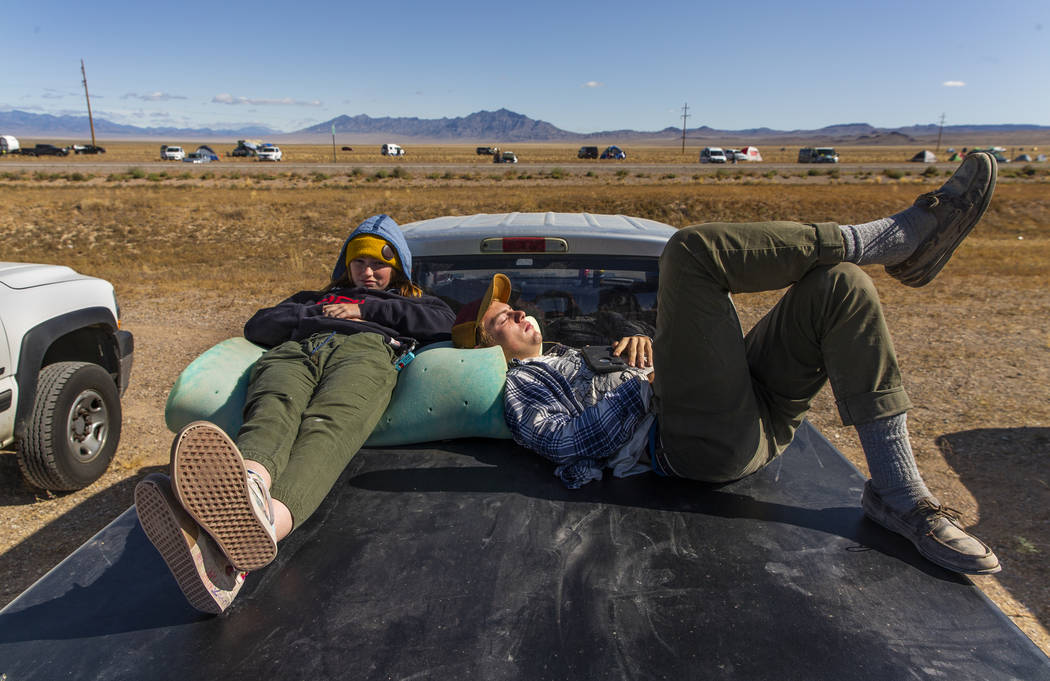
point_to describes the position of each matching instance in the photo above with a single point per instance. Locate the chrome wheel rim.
(87, 426)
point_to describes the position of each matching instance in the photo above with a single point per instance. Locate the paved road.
(656, 169)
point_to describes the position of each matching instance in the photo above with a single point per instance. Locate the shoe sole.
(904, 531)
(917, 274)
(210, 482)
(159, 522)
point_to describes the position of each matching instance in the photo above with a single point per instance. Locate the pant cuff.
(872, 406)
(832, 247)
(261, 459)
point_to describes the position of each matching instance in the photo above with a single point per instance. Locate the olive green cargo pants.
(310, 407)
(730, 403)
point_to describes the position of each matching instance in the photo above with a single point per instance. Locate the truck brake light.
(524, 244)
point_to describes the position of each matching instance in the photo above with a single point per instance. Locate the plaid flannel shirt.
(556, 406)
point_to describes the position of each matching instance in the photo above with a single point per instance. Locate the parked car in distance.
(818, 155)
(45, 150)
(486, 151)
(269, 152)
(172, 153)
(712, 155)
(348, 148)
(196, 157)
(246, 148)
(613, 152)
(204, 152)
(587, 152)
(87, 149)
(996, 152)
(504, 157)
(391, 150)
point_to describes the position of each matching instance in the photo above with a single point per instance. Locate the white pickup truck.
(64, 363)
(269, 152)
(172, 153)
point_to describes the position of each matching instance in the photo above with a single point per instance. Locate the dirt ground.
(974, 345)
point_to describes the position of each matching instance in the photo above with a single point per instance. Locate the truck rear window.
(577, 300)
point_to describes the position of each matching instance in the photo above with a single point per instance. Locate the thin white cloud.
(20, 107)
(593, 84)
(152, 96)
(954, 83)
(50, 93)
(227, 98)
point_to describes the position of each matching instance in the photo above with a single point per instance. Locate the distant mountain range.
(500, 127)
(25, 124)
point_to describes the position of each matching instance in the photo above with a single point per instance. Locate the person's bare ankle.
(260, 470)
(283, 522)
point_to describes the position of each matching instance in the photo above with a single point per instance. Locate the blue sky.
(582, 66)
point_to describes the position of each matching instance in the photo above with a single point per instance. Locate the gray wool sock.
(891, 462)
(887, 241)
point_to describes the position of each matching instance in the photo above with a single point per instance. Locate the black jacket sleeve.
(427, 319)
(274, 325)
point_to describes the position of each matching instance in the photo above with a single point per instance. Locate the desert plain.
(193, 251)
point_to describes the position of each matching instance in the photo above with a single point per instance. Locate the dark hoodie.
(397, 318)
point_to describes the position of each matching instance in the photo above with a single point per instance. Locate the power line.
(685, 115)
(91, 121)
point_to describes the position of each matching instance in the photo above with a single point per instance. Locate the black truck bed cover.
(468, 560)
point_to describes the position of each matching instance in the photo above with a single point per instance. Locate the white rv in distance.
(748, 153)
(391, 150)
(8, 144)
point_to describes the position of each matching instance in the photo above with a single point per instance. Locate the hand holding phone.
(637, 351)
(601, 360)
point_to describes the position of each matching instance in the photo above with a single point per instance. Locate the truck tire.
(73, 429)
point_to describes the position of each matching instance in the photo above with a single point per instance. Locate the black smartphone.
(601, 360)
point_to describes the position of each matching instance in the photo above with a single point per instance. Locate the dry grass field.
(193, 258)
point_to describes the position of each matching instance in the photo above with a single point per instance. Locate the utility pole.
(939, 131)
(685, 115)
(91, 121)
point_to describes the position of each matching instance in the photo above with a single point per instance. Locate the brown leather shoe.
(957, 205)
(936, 533)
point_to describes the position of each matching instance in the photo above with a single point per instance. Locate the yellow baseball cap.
(468, 321)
